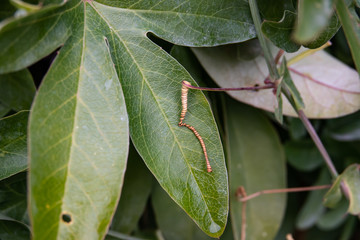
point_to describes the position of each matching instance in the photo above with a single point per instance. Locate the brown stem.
(241, 193)
(285, 190)
(278, 56)
(254, 88)
(317, 142)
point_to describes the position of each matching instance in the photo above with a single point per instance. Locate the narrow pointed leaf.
(78, 140)
(328, 87)
(288, 82)
(351, 25)
(17, 90)
(257, 162)
(13, 148)
(279, 107)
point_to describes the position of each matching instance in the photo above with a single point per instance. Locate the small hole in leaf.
(66, 218)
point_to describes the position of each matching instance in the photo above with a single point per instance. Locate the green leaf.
(187, 23)
(279, 107)
(303, 155)
(351, 25)
(313, 209)
(78, 138)
(17, 90)
(351, 179)
(256, 161)
(273, 10)
(28, 39)
(136, 191)
(280, 32)
(13, 202)
(313, 18)
(333, 217)
(13, 147)
(173, 222)
(78, 85)
(11, 229)
(328, 87)
(296, 128)
(289, 84)
(334, 195)
(344, 129)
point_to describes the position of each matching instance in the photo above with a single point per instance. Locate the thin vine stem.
(318, 143)
(274, 74)
(254, 88)
(284, 190)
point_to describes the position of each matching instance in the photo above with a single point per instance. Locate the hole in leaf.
(66, 217)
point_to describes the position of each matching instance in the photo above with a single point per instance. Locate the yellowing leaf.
(328, 87)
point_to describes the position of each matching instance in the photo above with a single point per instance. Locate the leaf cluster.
(92, 149)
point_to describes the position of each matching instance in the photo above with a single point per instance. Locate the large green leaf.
(328, 87)
(13, 149)
(17, 90)
(173, 222)
(78, 138)
(80, 100)
(257, 162)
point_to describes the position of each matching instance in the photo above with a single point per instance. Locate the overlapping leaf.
(78, 130)
(17, 90)
(313, 18)
(257, 162)
(328, 87)
(78, 138)
(13, 148)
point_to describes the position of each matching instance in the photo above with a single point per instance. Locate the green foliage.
(248, 130)
(68, 170)
(13, 149)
